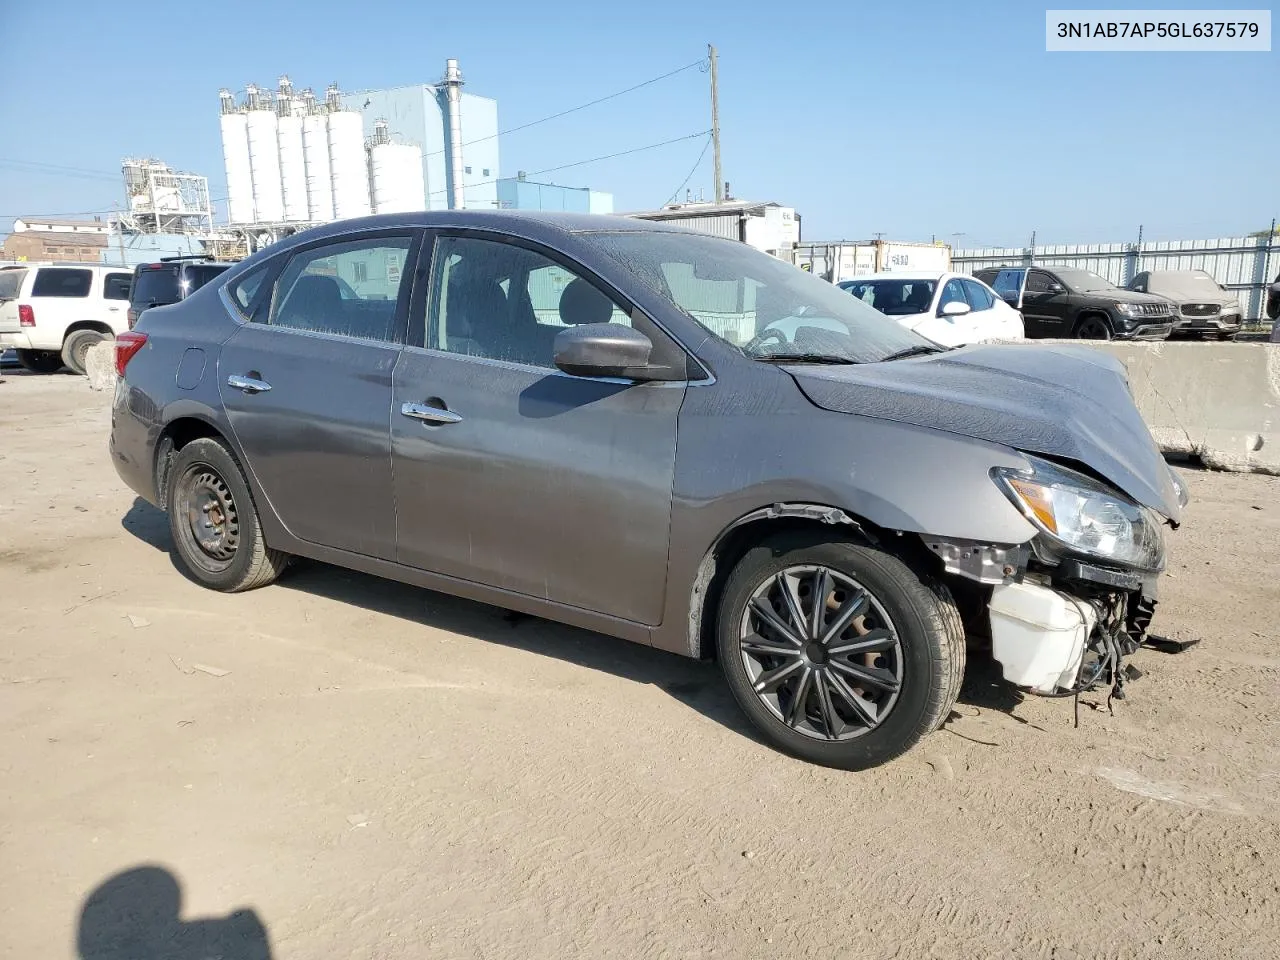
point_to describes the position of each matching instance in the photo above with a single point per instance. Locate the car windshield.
(764, 306)
(155, 286)
(898, 297)
(1085, 281)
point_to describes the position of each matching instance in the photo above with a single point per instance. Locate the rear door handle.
(420, 411)
(248, 384)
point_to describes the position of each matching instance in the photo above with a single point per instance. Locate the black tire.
(40, 361)
(929, 656)
(1092, 327)
(206, 481)
(76, 347)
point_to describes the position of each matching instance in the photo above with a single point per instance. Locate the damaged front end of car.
(1067, 607)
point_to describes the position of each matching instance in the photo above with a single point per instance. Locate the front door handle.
(420, 411)
(248, 384)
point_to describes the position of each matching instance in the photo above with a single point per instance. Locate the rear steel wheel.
(212, 522)
(822, 654)
(217, 537)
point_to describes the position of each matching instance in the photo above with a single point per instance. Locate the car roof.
(531, 222)
(909, 275)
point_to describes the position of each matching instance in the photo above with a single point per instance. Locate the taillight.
(26, 316)
(127, 344)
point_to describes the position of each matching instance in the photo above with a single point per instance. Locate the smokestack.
(453, 90)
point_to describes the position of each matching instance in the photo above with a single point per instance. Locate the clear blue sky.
(910, 119)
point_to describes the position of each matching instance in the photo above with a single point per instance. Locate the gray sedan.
(659, 436)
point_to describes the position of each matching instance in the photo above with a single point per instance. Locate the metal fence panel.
(1244, 265)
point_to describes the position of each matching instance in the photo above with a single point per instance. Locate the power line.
(581, 163)
(31, 166)
(584, 106)
(697, 163)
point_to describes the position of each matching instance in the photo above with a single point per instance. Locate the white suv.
(51, 314)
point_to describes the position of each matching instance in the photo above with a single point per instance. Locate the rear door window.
(62, 282)
(117, 286)
(349, 289)
(1007, 282)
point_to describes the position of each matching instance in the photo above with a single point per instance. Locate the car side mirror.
(1057, 288)
(603, 350)
(954, 309)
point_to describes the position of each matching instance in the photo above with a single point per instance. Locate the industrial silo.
(293, 171)
(395, 174)
(264, 157)
(235, 158)
(315, 151)
(348, 165)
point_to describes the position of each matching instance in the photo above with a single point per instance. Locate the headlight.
(1084, 516)
(1127, 308)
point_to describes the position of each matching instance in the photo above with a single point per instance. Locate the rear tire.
(887, 634)
(76, 348)
(1092, 327)
(40, 361)
(216, 534)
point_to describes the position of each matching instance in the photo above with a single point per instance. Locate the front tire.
(1093, 328)
(840, 654)
(40, 361)
(75, 349)
(216, 534)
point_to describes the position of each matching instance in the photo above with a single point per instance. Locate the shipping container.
(846, 259)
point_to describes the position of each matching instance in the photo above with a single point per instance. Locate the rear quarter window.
(11, 283)
(117, 286)
(62, 282)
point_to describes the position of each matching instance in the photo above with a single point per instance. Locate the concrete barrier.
(1216, 401)
(100, 365)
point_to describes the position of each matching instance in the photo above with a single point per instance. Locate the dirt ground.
(344, 767)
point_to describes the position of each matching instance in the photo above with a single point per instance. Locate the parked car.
(1057, 302)
(661, 436)
(1200, 304)
(51, 315)
(169, 281)
(1273, 309)
(948, 308)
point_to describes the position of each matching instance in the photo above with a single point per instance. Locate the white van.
(51, 314)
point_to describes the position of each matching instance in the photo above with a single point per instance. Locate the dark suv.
(1060, 302)
(170, 280)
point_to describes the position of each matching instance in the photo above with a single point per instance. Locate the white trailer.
(846, 259)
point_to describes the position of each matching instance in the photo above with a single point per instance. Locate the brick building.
(36, 238)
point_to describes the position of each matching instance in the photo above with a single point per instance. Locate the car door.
(115, 293)
(307, 387)
(990, 318)
(950, 331)
(513, 474)
(1046, 305)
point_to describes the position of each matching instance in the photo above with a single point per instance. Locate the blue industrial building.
(420, 115)
(517, 193)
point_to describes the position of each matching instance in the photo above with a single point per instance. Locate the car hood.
(1121, 295)
(1061, 401)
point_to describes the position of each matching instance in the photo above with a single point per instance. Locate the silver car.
(660, 436)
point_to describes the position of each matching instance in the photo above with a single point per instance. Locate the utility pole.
(120, 237)
(715, 124)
